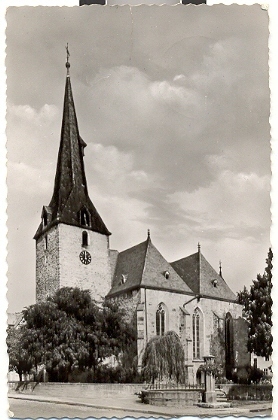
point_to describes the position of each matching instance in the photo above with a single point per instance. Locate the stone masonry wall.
(47, 264)
(209, 308)
(95, 276)
(59, 265)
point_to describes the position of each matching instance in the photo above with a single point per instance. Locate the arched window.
(196, 333)
(160, 319)
(84, 217)
(85, 241)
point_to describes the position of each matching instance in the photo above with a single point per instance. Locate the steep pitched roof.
(201, 277)
(70, 196)
(144, 266)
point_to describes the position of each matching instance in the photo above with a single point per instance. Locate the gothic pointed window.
(160, 319)
(85, 241)
(196, 333)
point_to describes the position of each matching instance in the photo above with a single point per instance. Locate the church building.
(186, 296)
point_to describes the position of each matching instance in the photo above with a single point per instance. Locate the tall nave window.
(196, 334)
(160, 319)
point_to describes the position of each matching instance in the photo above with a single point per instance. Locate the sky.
(173, 103)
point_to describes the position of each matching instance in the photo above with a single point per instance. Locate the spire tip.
(67, 62)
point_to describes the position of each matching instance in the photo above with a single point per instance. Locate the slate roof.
(200, 276)
(70, 188)
(144, 266)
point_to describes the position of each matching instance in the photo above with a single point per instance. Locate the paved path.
(130, 406)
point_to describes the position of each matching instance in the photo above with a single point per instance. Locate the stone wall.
(212, 312)
(58, 265)
(47, 264)
(71, 390)
(95, 276)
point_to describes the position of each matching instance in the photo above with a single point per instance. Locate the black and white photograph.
(139, 183)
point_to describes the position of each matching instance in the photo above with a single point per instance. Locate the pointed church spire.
(70, 202)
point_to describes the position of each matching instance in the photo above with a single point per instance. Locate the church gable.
(129, 268)
(201, 277)
(212, 284)
(143, 265)
(188, 270)
(158, 273)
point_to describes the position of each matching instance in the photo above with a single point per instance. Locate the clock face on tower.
(85, 257)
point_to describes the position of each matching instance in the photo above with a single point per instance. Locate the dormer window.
(44, 219)
(84, 217)
(166, 275)
(214, 283)
(123, 278)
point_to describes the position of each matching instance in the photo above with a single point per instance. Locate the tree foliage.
(164, 358)
(70, 331)
(257, 310)
(19, 360)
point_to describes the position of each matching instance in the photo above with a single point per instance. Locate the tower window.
(45, 242)
(160, 319)
(84, 217)
(85, 239)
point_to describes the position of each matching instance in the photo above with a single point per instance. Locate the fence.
(174, 386)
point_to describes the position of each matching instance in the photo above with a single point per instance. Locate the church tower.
(72, 241)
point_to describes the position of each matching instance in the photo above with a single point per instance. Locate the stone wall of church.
(179, 310)
(95, 276)
(47, 264)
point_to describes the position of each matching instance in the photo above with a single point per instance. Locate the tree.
(19, 360)
(257, 310)
(164, 358)
(70, 331)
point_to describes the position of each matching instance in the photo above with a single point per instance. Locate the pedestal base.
(209, 397)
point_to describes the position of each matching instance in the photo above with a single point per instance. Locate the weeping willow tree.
(164, 359)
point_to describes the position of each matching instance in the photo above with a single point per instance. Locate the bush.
(247, 375)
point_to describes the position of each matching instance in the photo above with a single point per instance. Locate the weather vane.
(68, 55)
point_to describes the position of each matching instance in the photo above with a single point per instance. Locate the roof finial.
(149, 233)
(199, 247)
(67, 63)
(220, 268)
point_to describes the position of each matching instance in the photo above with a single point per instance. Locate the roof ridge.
(148, 242)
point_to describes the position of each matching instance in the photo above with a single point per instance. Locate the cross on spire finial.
(199, 247)
(220, 268)
(149, 233)
(68, 55)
